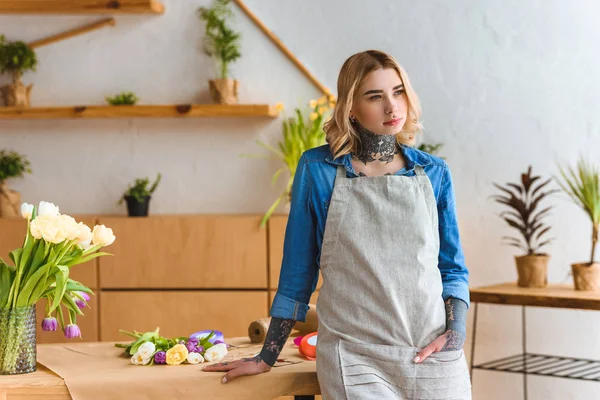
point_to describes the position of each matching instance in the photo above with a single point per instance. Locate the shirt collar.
(412, 157)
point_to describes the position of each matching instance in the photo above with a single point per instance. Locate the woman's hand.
(449, 340)
(243, 367)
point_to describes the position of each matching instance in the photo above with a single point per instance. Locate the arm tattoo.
(456, 324)
(278, 333)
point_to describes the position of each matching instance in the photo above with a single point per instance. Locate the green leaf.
(15, 256)
(34, 286)
(62, 276)
(88, 258)
(7, 276)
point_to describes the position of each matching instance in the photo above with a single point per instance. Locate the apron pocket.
(374, 371)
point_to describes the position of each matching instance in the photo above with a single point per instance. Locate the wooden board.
(81, 7)
(140, 111)
(195, 251)
(12, 233)
(276, 233)
(180, 313)
(554, 295)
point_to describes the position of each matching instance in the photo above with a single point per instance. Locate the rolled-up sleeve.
(455, 275)
(299, 270)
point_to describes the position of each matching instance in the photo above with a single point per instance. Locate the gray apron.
(381, 299)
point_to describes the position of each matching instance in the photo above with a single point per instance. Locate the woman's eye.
(399, 92)
(375, 97)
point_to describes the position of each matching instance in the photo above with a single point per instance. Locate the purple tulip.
(200, 349)
(72, 331)
(193, 340)
(192, 348)
(80, 303)
(160, 357)
(49, 324)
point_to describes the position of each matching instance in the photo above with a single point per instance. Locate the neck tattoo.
(375, 147)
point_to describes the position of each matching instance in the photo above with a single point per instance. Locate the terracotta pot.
(224, 91)
(532, 271)
(10, 202)
(16, 94)
(586, 277)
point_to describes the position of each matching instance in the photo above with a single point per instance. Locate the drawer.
(276, 229)
(180, 313)
(191, 252)
(12, 234)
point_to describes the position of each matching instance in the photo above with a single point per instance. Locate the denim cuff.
(456, 289)
(288, 308)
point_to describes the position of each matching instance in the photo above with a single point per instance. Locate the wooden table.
(299, 380)
(554, 295)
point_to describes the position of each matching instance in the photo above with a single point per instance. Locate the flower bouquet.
(53, 244)
(150, 348)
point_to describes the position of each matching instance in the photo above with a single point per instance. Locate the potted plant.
(138, 196)
(12, 165)
(16, 58)
(300, 133)
(53, 245)
(123, 98)
(583, 187)
(524, 199)
(222, 44)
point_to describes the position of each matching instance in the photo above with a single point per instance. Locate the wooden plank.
(180, 313)
(185, 251)
(41, 384)
(276, 233)
(81, 7)
(554, 295)
(140, 111)
(73, 32)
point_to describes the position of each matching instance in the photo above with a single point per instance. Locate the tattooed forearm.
(456, 324)
(278, 333)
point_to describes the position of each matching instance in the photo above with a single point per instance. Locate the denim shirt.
(311, 193)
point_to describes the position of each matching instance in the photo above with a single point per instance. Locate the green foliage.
(123, 98)
(16, 57)
(523, 199)
(430, 148)
(582, 184)
(140, 190)
(13, 165)
(220, 41)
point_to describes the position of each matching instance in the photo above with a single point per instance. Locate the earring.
(352, 119)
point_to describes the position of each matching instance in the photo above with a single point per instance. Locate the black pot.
(137, 209)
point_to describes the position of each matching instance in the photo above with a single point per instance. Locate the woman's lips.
(393, 122)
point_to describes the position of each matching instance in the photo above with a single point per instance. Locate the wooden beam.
(73, 32)
(141, 111)
(282, 47)
(81, 7)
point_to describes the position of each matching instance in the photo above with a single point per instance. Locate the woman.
(392, 308)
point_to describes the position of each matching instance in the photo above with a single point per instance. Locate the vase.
(17, 340)
(224, 91)
(586, 277)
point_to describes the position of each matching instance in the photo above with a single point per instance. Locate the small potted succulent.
(16, 58)
(524, 202)
(123, 98)
(582, 184)
(12, 165)
(138, 196)
(222, 44)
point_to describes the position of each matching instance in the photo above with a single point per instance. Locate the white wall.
(503, 85)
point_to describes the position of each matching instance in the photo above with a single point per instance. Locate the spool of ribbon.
(257, 330)
(202, 334)
(308, 346)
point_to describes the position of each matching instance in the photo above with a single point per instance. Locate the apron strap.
(419, 171)
(341, 172)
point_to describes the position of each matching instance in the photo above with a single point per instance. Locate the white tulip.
(46, 208)
(216, 352)
(69, 226)
(195, 358)
(137, 359)
(102, 235)
(26, 210)
(49, 228)
(85, 236)
(147, 350)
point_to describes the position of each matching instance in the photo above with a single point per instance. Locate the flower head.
(84, 239)
(72, 331)
(216, 352)
(81, 303)
(26, 210)
(160, 357)
(138, 359)
(49, 324)
(191, 347)
(177, 354)
(47, 209)
(194, 358)
(279, 107)
(313, 116)
(102, 235)
(193, 340)
(147, 350)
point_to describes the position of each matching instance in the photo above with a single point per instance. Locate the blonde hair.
(340, 134)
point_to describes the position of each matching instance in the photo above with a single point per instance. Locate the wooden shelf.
(141, 111)
(81, 7)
